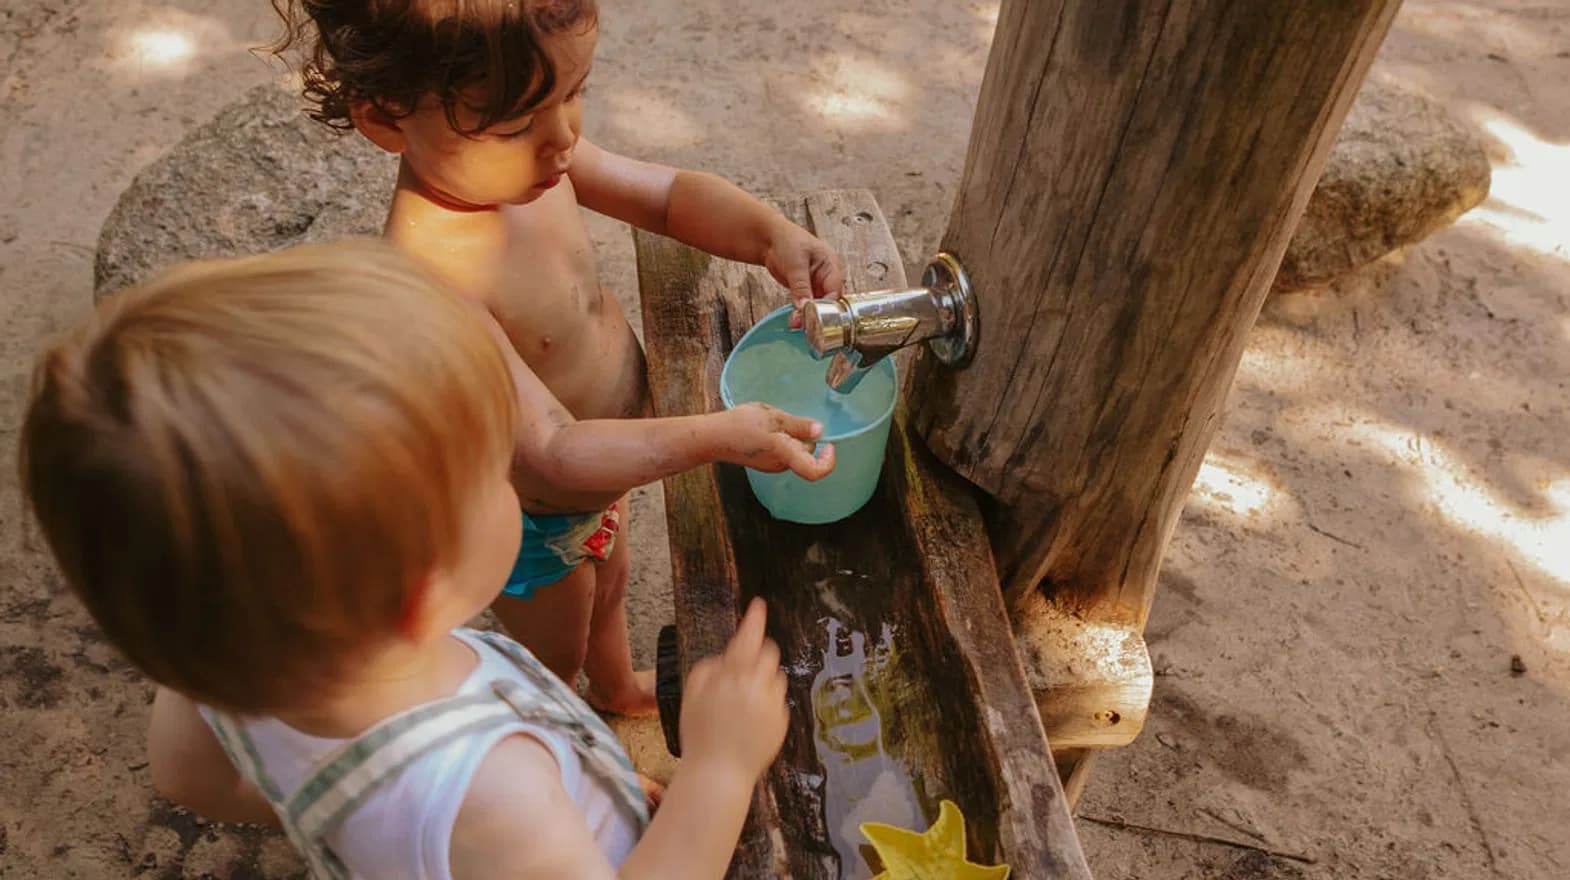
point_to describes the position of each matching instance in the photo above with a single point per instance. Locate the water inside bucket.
(781, 373)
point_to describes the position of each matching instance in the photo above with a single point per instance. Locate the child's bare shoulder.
(518, 821)
(462, 248)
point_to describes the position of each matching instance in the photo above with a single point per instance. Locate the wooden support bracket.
(1091, 679)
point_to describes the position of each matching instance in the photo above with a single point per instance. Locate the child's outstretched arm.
(562, 464)
(516, 821)
(707, 212)
(733, 722)
(190, 768)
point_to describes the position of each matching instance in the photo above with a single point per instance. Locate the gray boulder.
(257, 177)
(261, 175)
(1400, 170)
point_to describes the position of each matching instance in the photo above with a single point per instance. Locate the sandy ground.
(1383, 524)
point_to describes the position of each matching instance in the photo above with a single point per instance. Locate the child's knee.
(566, 660)
(610, 580)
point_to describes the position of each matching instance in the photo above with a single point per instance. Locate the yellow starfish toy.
(939, 854)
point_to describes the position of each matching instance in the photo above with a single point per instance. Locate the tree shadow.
(1322, 605)
(1327, 585)
(1493, 55)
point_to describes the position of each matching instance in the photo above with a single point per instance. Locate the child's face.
(513, 162)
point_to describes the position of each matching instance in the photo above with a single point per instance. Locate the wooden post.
(1134, 174)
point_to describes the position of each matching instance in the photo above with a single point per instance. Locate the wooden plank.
(904, 685)
(686, 335)
(951, 540)
(1134, 174)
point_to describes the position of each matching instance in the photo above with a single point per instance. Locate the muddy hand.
(805, 264)
(733, 706)
(766, 439)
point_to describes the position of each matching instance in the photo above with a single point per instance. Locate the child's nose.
(559, 133)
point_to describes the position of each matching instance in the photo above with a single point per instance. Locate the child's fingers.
(698, 678)
(800, 461)
(747, 643)
(812, 467)
(768, 659)
(828, 278)
(801, 286)
(796, 267)
(769, 680)
(799, 427)
(799, 271)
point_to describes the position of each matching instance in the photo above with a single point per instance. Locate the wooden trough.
(905, 687)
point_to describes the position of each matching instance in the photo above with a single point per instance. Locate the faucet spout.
(859, 329)
(846, 370)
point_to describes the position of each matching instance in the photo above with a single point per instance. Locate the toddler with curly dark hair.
(483, 102)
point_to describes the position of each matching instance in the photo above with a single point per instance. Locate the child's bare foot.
(635, 700)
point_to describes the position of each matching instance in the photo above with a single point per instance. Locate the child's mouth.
(552, 180)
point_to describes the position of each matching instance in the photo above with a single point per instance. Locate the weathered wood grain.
(687, 332)
(903, 676)
(1134, 173)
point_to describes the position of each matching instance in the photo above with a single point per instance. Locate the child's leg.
(553, 623)
(613, 684)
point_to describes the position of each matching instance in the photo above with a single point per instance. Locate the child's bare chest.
(546, 291)
(547, 296)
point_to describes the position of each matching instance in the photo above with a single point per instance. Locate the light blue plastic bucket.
(773, 365)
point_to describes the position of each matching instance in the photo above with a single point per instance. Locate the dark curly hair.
(394, 53)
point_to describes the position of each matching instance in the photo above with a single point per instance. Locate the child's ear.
(379, 127)
(421, 616)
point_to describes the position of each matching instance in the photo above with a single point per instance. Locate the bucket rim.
(783, 313)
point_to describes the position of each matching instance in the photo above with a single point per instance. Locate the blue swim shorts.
(554, 545)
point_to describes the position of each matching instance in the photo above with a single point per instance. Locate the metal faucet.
(859, 329)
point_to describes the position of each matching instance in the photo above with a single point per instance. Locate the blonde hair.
(244, 468)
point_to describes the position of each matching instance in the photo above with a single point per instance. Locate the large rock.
(1401, 170)
(261, 176)
(257, 177)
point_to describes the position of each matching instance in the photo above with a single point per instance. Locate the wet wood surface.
(905, 687)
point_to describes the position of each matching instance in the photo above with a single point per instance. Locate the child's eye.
(517, 132)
